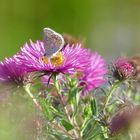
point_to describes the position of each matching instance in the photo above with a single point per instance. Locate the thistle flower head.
(70, 60)
(124, 69)
(67, 61)
(11, 72)
(93, 76)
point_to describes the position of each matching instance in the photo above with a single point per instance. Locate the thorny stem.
(27, 88)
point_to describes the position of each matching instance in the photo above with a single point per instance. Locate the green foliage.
(64, 113)
(94, 107)
(67, 125)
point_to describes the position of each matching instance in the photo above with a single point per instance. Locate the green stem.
(76, 131)
(114, 87)
(27, 89)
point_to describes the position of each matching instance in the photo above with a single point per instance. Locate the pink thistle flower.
(68, 61)
(11, 72)
(94, 73)
(71, 60)
(124, 69)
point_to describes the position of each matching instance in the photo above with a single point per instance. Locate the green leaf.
(87, 111)
(68, 126)
(87, 127)
(46, 109)
(72, 94)
(94, 108)
(60, 136)
(57, 84)
(76, 104)
(56, 112)
(77, 98)
(91, 130)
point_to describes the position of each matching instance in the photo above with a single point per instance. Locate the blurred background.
(111, 27)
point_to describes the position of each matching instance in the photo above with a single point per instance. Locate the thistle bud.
(124, 69)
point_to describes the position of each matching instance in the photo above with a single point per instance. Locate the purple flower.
(72, 59)
(11, 72)
(124, 69)
(94, 73)
(68, 61)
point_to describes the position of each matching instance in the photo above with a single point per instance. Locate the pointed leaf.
(94, 108)
(68, 126)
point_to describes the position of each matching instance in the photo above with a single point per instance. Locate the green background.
(111, 27)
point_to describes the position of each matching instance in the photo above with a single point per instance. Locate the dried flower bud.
(69, 39)
(136, 61)
(124, 69)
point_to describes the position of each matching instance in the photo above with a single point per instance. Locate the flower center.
(56, 60)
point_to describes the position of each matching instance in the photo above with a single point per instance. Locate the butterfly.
(53, 42)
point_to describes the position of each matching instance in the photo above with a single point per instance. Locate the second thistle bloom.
(124, 69)
(11, 72)
(93, 76)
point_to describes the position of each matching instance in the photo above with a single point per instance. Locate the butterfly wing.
(53, 42)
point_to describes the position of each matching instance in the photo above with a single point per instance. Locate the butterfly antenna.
(49, 80)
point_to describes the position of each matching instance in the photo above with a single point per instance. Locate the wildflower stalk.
(27, 89)
(77, 128)
(114, 87)
(73, 120)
